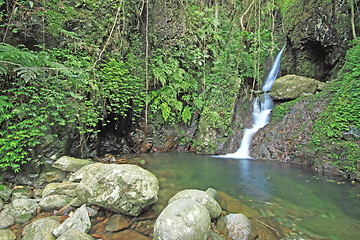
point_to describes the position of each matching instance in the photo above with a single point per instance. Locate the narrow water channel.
(293, 197)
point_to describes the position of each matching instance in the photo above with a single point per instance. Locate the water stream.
(292, 199)
(261, 112)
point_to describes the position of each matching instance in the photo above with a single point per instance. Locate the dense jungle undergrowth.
(69, 68)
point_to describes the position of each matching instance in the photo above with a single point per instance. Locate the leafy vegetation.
(339, 124)
(87, 66)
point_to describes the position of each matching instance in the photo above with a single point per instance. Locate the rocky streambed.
(82, 199)
(120, 199)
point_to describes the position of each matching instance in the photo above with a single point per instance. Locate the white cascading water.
(261, 112)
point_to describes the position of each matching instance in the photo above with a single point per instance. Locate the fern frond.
(27, 73)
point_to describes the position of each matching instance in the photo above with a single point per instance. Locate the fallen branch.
(277, 233)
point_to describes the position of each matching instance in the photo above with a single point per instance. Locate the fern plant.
(40, 97)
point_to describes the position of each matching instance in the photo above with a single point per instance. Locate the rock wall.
(317, 33)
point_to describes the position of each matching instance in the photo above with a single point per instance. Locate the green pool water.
(291, 196)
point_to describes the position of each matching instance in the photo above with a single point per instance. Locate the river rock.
(79, 220)
(21, 192)
(5, 192)
(117, 222)
(76, 202)
(202, 197)
(184, 218)
(22, 209)
(125, 188)
(127, 234)
(59, 188)
(6, 220)
(52, 176)
(53, 202)
(74, 234)
(7, 235)
(70, 164)
(293, 86)
(1, 203)
(78, 175)
(41, 229)
(238, 226)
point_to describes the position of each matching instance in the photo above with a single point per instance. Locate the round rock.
(184, 218)
(202, 197)
(238, 226)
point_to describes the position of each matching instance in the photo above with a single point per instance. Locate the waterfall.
(261, 112)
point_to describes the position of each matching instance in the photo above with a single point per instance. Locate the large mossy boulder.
(125, 188)
(292, 86)
(70, 164)
(41, 229)
(184, 218)
(202, 197)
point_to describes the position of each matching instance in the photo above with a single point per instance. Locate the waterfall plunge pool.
(291, 199)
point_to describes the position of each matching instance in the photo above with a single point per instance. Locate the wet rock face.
(286, 137)
(317, 31)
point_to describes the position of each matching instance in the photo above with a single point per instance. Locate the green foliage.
(61, 90)
(177, 88)
(204, 70)
(41, 97)
(122, 89)
(342, 116)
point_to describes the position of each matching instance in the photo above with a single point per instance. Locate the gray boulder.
(6, 220)
(79, 220)
(7, 235)
(58, 188)
(125, 188)
(41, 229)
(238, 226)
(53, 202)
(202, 197)
(184, 218)
(5, 192)
(52, 176)
(70, 164)
(78, 175)
(21, 192)
(292, 86)
(74, 234)
(21, 209)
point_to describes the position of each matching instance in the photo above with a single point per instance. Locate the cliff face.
(317, 34)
